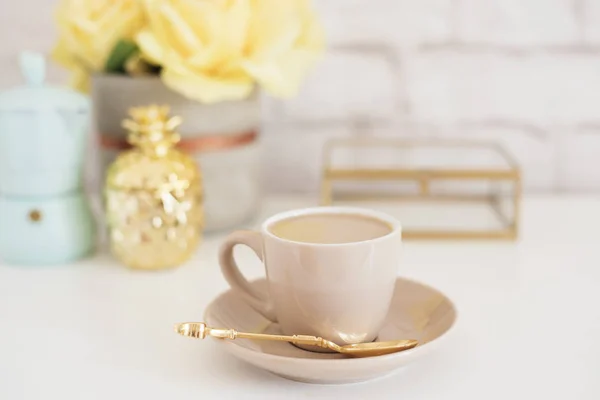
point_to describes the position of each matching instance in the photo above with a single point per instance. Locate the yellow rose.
(89, 30)
(284, 41)
(215, 50)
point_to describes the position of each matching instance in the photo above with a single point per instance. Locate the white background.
(524, 72)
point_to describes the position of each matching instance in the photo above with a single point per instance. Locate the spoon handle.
(296, 339)
(201, 330)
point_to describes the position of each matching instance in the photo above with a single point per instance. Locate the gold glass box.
(440, 189)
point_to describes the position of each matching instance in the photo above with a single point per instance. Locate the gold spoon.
(200, 330)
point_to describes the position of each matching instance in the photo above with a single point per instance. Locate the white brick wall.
(517, 22)
(480, 85)
(579, 159)
(347, 84)
(405, 22)
(523, 72)
(591, 20)
(25, 25)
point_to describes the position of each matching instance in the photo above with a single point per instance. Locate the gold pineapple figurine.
(153, 195)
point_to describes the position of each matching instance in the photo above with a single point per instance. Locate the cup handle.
(257, 299)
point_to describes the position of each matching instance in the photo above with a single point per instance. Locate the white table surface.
(528, 328)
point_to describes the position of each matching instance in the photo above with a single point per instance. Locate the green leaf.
(119, 55)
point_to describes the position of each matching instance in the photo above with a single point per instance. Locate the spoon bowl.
(377, 348)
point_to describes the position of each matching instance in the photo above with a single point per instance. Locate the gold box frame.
(424, 177)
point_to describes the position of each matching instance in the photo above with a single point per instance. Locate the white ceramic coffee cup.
(341, 292)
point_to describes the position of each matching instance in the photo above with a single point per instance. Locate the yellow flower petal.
(215, 50)
(282, 77)
(89, 30)
(60, 53)
(186, 42)
(80, 80)
(206, 88)
(274, 28)
(150, 46)
(287, 52)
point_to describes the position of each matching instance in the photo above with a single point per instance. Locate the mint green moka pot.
(44, 215)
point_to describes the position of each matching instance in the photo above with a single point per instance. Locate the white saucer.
(417, 312)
